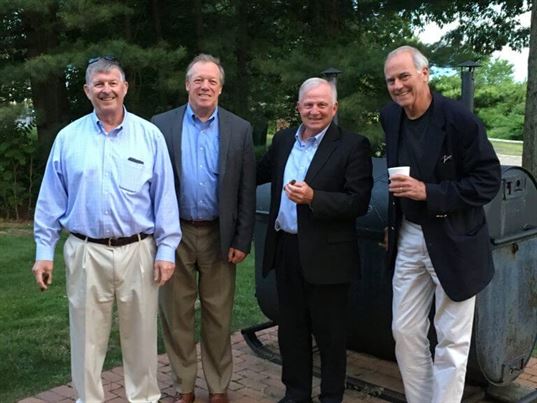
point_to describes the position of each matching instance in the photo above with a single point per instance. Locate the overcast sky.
(432, 33)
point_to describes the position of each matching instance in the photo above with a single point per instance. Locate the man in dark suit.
(214, 166)
(438, 241)
(321, 181)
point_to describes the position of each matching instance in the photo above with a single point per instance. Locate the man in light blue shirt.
(199, 173)
(109, 182)
(296, 168)
(320, 177)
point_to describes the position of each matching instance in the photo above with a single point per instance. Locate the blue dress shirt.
(199, 171)
(108, 186)
(296, 168)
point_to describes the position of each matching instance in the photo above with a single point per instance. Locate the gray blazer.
(236, 180)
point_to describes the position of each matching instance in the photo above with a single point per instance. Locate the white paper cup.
(399, 171)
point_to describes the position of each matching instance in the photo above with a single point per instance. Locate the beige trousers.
(414, 285)
(98, 275)
(201, 271)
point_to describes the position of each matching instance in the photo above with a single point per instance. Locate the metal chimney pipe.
(330, 74)
(467, 83)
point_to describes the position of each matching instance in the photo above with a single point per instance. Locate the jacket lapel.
(177, 134)
(326, 148)
(393, 131)
(434, 139)
(287, 141)
(224, 139)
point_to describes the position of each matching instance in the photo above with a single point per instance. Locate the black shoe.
(330, 399)
(287, 399)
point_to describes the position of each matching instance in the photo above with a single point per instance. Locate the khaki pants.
(414, 285)
(199, 269)
(96, 276)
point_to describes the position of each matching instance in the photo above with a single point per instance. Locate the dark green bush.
(18, 179)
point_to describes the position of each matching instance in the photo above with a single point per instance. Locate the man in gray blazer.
(213, 160)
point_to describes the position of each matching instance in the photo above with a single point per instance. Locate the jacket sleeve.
(353, 199)
(478, 170)
(246, 202)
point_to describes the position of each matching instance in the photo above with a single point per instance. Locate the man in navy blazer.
(438, 241)
(321, 181)
(213, 160)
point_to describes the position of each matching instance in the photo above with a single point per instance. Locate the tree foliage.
(499, 100)
(267, 48)
(18, 176)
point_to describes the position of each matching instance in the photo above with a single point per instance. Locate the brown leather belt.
(201, 223)
(112, 241)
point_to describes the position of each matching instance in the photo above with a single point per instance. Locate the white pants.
(98, 275)
(414, 285)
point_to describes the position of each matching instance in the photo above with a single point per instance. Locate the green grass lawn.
(34, 329)
(507, 148)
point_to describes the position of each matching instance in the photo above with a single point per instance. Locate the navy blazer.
(340, 175)
(236, 173)
(462, 173)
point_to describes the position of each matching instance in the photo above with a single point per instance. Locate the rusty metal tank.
(505, 324)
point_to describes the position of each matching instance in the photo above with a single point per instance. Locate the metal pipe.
(467, 83)
(330, 74)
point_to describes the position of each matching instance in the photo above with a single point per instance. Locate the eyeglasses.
(110, 59)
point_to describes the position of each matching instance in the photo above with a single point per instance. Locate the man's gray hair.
(103, 66)
(205, 58)
(314, 82)
(420, 61)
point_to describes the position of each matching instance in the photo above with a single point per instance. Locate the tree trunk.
(49, 95)
(529, 154)
(198, 26)
(50, 103)
(242, 56)
(155, 9)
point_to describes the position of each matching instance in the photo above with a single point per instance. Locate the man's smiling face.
(106, 91)
(204, 86)
(406, 84)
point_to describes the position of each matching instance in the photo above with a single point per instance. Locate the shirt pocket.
(131, 175)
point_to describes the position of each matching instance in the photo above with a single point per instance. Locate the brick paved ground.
(256, 380)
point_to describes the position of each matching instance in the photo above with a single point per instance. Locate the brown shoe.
(218, 398)
(184, 398)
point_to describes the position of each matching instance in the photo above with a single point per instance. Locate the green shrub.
(18, 141)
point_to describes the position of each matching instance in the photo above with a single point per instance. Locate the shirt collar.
(193, 118)
(313, 140)
(100, 128)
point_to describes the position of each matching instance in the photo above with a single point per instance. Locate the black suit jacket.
(236, 176)
(462, 173)
(340, 175)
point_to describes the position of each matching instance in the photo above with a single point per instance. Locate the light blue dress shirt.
(108, 186)
(199, 171)
(296, 168)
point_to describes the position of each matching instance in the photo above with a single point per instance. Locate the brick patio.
(258, 380)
